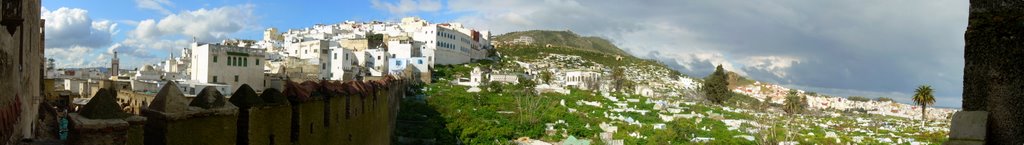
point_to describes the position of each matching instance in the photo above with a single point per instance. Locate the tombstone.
(968, 127)
(993, 72)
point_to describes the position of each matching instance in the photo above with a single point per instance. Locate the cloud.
(76, 56)
(203, 24)
(72, 37)
(67, 27)
(776, 65)
(873, 46)
(403, 7)
(157, 5)
(175, 31)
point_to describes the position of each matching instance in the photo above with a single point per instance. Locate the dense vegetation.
(444, 113)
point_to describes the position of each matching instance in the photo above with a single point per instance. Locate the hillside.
(565, 39)
(656, 105)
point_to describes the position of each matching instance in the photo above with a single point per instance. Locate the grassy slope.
(566, 39)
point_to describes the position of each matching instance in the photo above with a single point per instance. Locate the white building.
(511, 79)
(229, 65)
(474, 80)
(644, 91)
(342, 64)
(452, 44)
(147, 72)
(376, 62)
(581, 79)
(312, 50)
(403, 47)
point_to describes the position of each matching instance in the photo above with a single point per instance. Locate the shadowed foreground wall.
(310, 113)
(993, 69)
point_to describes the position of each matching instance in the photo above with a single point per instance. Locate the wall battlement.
(325, 112)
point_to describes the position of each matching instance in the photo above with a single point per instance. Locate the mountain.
(565, 39)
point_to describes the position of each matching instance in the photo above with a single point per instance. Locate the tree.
(716, 87)
(812, 93)
(858, 98)
(546, 76)
(884, 99)
(618, 78)
(494, 87)
(923, 96)
(527, 85)
(794, 103)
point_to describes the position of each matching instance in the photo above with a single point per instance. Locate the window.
(236, 78)
(214, 58)
(257, 61)
(230, 59)
(323, 66)
(419, 61)
(214, 79)
(335, 56)
(245, 62)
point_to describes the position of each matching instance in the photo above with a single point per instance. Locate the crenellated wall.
(319, 113)
(335, 113)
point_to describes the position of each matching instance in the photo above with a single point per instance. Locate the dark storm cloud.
(855, 47)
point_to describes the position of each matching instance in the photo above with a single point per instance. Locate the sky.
(871, 48)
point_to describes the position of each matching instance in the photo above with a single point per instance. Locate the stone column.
(994, 67)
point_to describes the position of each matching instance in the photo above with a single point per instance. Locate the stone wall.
(102, 122)
(106, 131)
(206, 120)
(320, 113)
(21, 72)
(135, 100)
(993, 72)
(270, 125)
(335, 113)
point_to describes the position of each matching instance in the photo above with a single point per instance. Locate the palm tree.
(923, 96)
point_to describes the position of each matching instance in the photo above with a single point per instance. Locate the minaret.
(114, 65)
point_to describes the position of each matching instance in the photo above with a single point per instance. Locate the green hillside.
(566, 39)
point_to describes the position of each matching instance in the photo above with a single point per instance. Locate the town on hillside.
(410, 81)
(626, 100)
(339, 52)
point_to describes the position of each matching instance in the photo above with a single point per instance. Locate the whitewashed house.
(342, 64)
(376, 61)
(581, 79)
(229, 65)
